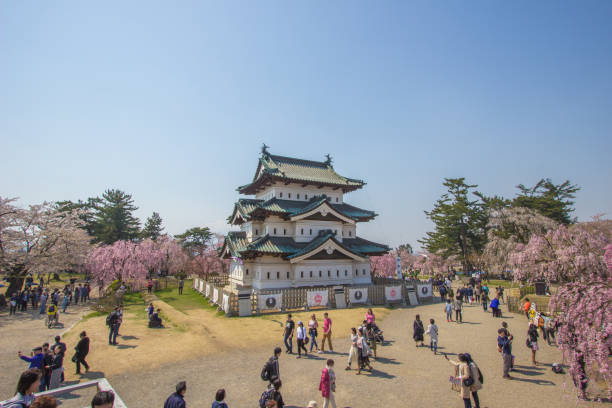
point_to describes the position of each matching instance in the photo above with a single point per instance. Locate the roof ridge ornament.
(264, 150)
(328, 160)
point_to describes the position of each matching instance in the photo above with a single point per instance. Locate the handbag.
(305, 340)
(74, 358)
(468, 381)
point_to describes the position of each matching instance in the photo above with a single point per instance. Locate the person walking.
(301, 339)
(469, 375)
(56, 367)
(77, 294)
(458, 305)
(120, 314)
(363, 351)
(370, 318)
(432, 331)
(81, 351)
(13, 300)
(219, 397)
(113, 324)
(495, 307)
(150, 286)
(43, 302)
(526, 307)
(288, 334)
(28, 384)
(177, 399)
(417, 331)
(327, 385)
(532, 342)
(448, 308)
(327, 332)
(371, 337)
(313, 332)
(65, 302)
(504, 345)
(180, 286)
(484, 300)
(353, 350)
(271, 370)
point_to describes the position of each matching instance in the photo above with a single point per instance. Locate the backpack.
(109, 319)
(266, 396)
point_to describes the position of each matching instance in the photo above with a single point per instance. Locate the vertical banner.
(424, 290)
(358, 295)
(225, 304)
(201, 286)
(398, 264)
(215, 298)
(317, 297)
(393, 292)
(270, 302)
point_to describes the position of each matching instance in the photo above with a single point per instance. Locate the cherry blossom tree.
(39, 239)
(581, 262)
(207, 262)
(383, 266)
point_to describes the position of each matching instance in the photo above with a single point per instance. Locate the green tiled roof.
(288, 248)
(288, 208)
(272, 167)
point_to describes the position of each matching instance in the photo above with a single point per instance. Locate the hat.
(312, 404)
(300, 322)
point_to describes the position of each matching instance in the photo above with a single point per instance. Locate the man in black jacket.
(82, 349)
(271, 371)
(176, 399)
(113, 323)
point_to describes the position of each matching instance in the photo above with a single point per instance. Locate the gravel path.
(403, 375)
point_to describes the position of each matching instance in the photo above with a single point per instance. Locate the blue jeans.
(112, 335)
(313, 340)
(449, 315)
(433, 345)
(289, 343)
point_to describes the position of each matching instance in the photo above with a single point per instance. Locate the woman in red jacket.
(327, 386)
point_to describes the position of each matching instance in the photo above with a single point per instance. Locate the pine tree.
(195, 240)
(114, 220)
(153, 227)
(459, 223)
(550, 200)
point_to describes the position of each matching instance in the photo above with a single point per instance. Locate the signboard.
(424, 290)
(215, 298)
(317, 297)
(269, 302)
(225, 304)
(393, 292)
(208, 291)
(398, 264)
(358, 295)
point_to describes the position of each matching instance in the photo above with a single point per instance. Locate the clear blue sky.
(171, 101)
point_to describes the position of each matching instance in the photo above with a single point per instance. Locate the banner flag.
(393, 292)
(317, 297)
(269, 302)
(215, 298)
(424, 290)
(225, 303)
(358, 295)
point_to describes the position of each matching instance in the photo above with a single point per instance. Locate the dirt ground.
(211, 352)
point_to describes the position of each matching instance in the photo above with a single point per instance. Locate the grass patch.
(189, 300)
(94, 314)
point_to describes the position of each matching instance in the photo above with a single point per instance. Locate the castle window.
(301, 274)
(289, 195)
(345, 272)
(277, 275)
(268, 274)
(336, 199)
(311, 274)
(280, 194)
(311, 231)
(328, 273)
(349, 233)
(274, 231)
(287, 274)
(363, 272)
(247, 271)
(284, 231)
(256, 232)
(337, 273)
(305, 196)
(302, 231)
(298, 196)
(320, 274)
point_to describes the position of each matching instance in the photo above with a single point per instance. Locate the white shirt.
(301, 332)
(432, 330)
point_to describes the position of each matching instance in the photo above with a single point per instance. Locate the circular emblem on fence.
(318, 299)
(425, 290)
(393, 292)
(270, 302)
(358, 295)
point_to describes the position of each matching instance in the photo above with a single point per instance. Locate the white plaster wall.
(349, 231)
(298, 193)
(316, 226)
